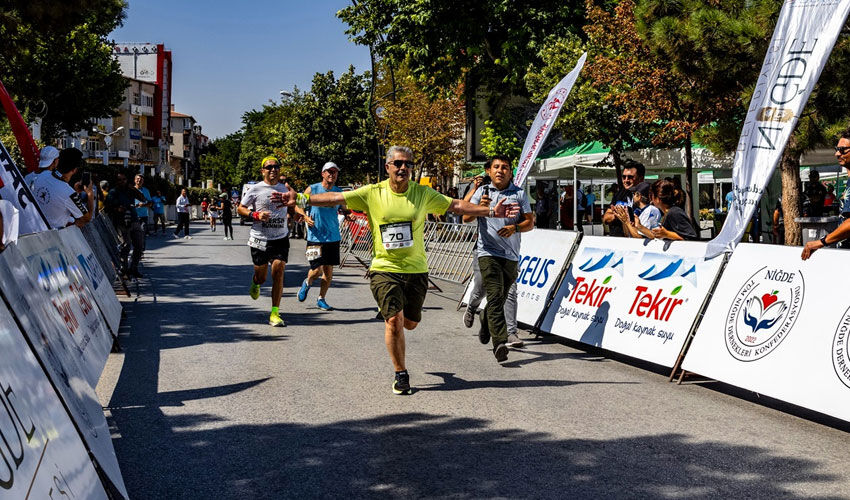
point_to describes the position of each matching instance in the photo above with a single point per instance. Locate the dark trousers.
(161, 219)
(228, 226)
(182, 222)
(498, 275)
(132, 238)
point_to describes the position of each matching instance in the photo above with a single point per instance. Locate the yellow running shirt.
(398, 223)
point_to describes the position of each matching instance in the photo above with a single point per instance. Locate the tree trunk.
(790, 168)
(689, 172)
(618, 165)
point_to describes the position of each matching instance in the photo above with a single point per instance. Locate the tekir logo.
(657, 299)
(552, 106)
(840, 355)
(763, 312)
(592, 291)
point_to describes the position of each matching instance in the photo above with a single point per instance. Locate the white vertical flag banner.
(544, 120)
(802, 41)
(14, 190)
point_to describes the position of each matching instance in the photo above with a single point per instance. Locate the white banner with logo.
(802, 41)
(14, 189)
(61, 357)
(85, 264)
(543, 254)
(43, 454)
(544, 120)
(49, 266)
(633, 296)
(777, 325)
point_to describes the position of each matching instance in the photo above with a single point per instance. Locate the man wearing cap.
(322, 236)
(267, 204)
(61, 205)
(48, 159)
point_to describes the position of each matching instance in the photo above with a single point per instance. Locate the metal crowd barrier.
(356, 240)
(449, 247)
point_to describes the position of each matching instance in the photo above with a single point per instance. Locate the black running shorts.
(275, 250)
(330, 254)
(396, 292)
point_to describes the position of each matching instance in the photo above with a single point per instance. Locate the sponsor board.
(43, 456)
(60, 356)
(632, 296)
(776, 326)
(50, 267)
(543, 254)
(84, 263)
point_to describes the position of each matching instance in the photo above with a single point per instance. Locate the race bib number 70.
(397, 235)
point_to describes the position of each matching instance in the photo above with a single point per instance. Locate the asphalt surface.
(208, 401)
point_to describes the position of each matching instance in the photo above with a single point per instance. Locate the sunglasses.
(628, 177)
(271, 167)
(842, 149)
(405, 163)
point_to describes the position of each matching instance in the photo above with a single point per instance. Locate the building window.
(136, 123)
(137, 99)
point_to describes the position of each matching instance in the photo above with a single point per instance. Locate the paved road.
(207, 401)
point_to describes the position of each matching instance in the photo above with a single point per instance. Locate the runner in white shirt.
(48, 159)
(182, 215)
(267, 204)
(61, 205)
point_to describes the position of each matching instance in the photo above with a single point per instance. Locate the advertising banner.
(14, 190)
(96, 243)
(778, 326)
(48, 265)
(61, 358)
(543, 254)
(544, 120)
(633, 296)
(42, 451)
(83, 262)
(802, 41)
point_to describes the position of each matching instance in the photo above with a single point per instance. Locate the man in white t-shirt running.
(267, 204)
(61, 205)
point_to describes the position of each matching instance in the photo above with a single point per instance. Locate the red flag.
(22, 133)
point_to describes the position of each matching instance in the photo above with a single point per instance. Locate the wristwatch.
(492, 212)
(823, 242)
(516, 228)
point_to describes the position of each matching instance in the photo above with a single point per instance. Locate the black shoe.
(401, 384)
(484, 329)
(501, 352)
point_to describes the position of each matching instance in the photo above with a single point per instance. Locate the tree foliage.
(221, 162)
(57, 61)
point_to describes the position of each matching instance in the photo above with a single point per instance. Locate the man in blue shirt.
(142, 206)
(159, 211)
(322, 236)
(498, 249)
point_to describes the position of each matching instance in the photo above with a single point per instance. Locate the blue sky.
(230, 57)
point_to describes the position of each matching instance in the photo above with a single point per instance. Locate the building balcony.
(139, 110)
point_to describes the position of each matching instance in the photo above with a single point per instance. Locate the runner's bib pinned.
(397, 235)
(257, 243)
(314, 252)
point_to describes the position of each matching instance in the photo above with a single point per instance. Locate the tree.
(432, 127)
(262, 135)
(331, 122)
(58, 61)
(221, 163)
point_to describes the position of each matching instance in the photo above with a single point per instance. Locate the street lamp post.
(107, 139)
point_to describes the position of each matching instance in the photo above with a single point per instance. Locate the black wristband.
(823, 241)
(516, 228)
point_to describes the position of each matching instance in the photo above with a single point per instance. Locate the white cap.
(329, 165)
(47, 155)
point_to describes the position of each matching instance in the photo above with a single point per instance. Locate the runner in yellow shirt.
(397, 210)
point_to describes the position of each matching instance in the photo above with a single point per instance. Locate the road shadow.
(454, 383)
(415, 455)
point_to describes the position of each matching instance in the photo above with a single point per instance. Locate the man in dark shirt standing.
(121, 207)
(816, 194)
(633, 173)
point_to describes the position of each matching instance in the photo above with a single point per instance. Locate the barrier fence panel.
(778, 326)
(449, 248)
(543, 255)
(356, 240)
(92, 235)
(83, 261)
(632, 296)
(43, 451)
(60, 357)
(74, 307)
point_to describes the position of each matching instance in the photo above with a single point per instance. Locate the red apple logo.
(769, 298)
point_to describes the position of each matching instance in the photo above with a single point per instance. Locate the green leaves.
(606, 280)
(676, 290)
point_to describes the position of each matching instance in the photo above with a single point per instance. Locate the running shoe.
(501, 352)
(323, 305)
(276, 320)
(225, 238)
(187, 237)
(514, 341)
(468, 317)
(401, 384)
(302, 293)
(255, 290)
(484, 329)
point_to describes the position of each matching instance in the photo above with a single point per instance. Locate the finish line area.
(207, 399)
